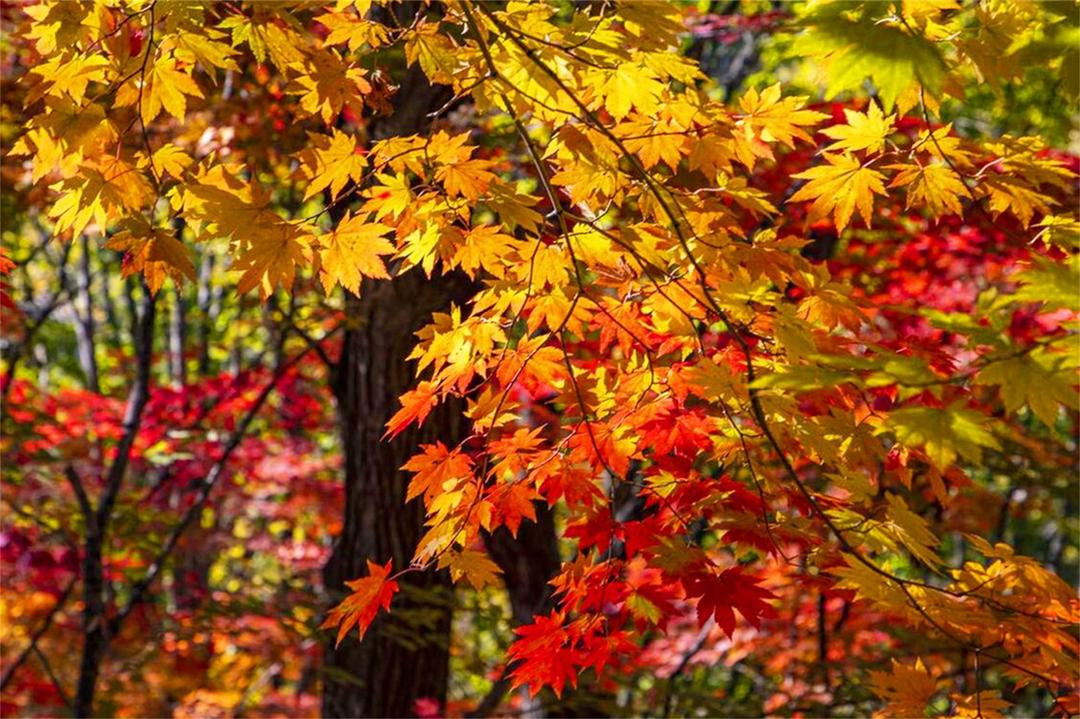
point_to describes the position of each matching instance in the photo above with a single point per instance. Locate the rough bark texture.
(404, 655)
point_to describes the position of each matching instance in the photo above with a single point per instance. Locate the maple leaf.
(1059, 230)
(911, 530)
(369, 595)
(854, 48)
(720, 594)
(328, 85)
(1041, 380)
(1006, 193)
(487, 247)
(153, 251)
(543, 655)
(62, 25)
(172, 160)
(270, 259)
(353, 251)
(468, 179)
(839, 187)
(437, 469)
(64, 136)
(390, 197)
(987, 704)
(103, 192)
(907, 689)
(1050, 283)
(935, 187)
(166, 87)
(513, 503)
(266, 38)
(354, 30)
(331, 161)
(768, 118)
(196, 47)
(415, 405)
(943, 433)
(653, 142)
(472, 565)
(630, 85)
(69, 74)
(863, 131)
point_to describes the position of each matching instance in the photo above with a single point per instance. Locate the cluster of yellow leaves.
(149, 72)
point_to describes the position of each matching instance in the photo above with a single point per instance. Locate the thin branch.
(37, 635)
(139, 589)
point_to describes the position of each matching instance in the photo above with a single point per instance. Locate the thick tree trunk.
(404, 655)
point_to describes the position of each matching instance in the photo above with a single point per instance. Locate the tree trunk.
(405, 654)
(84, 322)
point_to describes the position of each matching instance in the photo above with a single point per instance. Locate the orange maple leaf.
(415, 405)
(360, 608)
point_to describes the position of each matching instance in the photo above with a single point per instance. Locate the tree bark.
(405, 654)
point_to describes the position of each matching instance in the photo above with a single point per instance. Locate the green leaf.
(854, 45)
(944, 434)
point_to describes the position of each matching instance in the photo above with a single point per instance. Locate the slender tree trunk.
(95, 641)
(404, 656)
(177, 338)
(208, 300)
(84, 323)
(96, 587)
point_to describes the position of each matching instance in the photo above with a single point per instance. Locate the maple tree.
(747, 378)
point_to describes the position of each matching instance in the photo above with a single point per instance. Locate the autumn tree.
(761, 365)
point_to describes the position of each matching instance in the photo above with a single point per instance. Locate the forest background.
(555, 359)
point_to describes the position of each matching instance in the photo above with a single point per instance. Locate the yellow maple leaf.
(328, 85)
(863, 131)
(839, 187)
(1007, 193)
(767, 118)
(911, 530)
(907, 689)
(69, 74)
(61, 138)
(331, 161)
(63, 24)
(203, 47)
(167, 87)
(352, 29)
(1041, 380)
(153, 251)
(487, 247)
(630, 85)
(353, 251)
(171, 159)
(102, 192)
(472, 565)
(392, 196)
(943, 433)
(935, 187)
(270, 258)
(468, 179)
